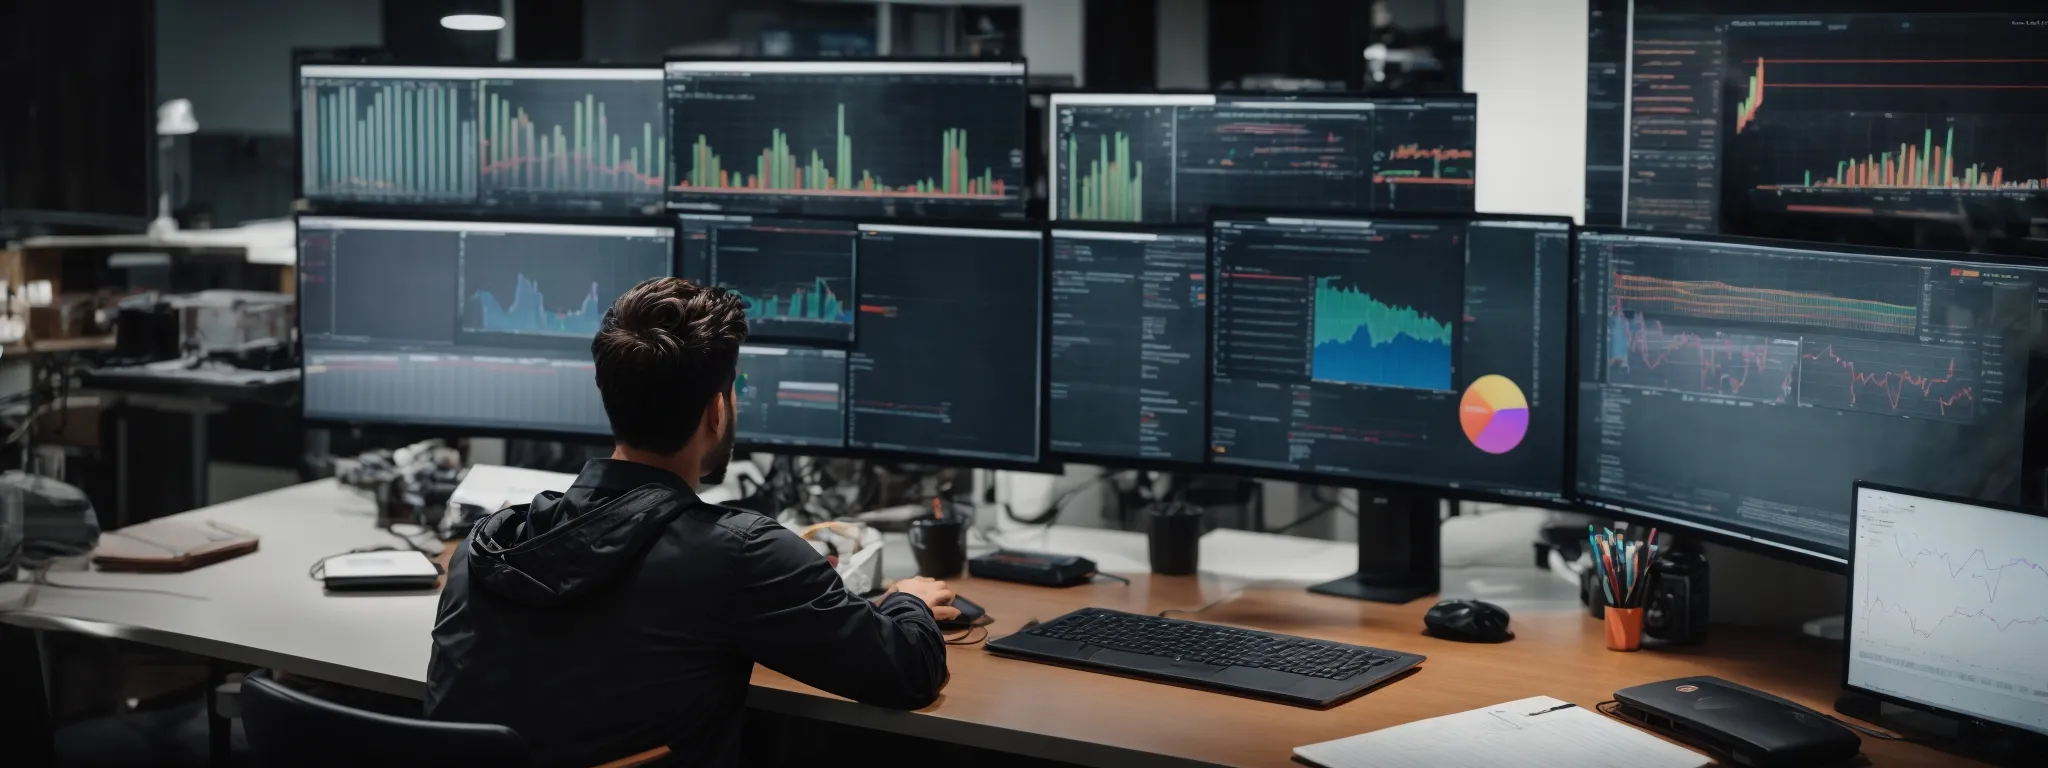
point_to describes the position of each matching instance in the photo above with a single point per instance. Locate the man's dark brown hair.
(667, 347)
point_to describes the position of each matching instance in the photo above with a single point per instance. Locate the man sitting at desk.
(627, 613)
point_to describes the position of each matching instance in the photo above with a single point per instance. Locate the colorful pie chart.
(1494, 413)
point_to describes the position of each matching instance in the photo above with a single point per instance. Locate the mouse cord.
(967, 637)
(1192, 611)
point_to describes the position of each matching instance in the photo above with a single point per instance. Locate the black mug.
(1176, 539)
(940, 546)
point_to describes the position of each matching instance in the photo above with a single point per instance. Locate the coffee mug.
(939, 546)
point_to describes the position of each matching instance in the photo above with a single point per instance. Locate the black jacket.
(628, 614)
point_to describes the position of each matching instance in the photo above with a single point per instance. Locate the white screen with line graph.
(1950, 607)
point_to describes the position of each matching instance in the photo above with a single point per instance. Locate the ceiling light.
(473, 22)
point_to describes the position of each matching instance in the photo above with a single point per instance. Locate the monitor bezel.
(1110, 460)
(472, 209)
(1849, 602)
(1564, 501)
(444, 430)
(1775, 548)
(1024, 201)
(1052, 123)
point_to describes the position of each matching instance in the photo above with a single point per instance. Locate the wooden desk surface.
(1092, 718)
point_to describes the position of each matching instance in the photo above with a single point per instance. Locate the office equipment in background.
(1829, 125)
(1948, 613)
(1738, 723)
(1679, 604)
(393, 569)
(1536, 731)
(561, 140)
(1130, 351)
(848, 138)
(482, 325)
(1733, 386)
(1467, 621)
(1622, 572)
(1425, 351)
(949, 363)
(1165, 158)
(1293, 670)
(1039, 568)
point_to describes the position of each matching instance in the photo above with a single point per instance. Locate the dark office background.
(81, 78)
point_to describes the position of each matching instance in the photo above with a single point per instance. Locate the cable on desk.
(1127, 582)
(964, 637)
(1192, 611)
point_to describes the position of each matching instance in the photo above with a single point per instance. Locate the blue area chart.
(1362, 340)
(528, 313)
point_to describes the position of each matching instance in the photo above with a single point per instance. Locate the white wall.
(233, 58)
(1527, 61)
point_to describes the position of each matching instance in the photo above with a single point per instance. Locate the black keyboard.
(1261, 664)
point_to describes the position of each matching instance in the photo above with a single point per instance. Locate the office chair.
(286, 727)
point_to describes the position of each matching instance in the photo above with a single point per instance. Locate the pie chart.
(1494, 414)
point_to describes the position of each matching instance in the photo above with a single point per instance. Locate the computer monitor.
(848, 138)
(1795, 119)
(1419, 351)
(1130, 344)
(795, 275)
(1734, 387)
(473, 325)
(948, 364)
(792, 397)
(1948, 606)
(554, 140)
(1164, 158)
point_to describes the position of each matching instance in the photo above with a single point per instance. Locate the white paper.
(1529, 732)
(495, 487)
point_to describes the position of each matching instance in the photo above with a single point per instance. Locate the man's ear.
(715, 411)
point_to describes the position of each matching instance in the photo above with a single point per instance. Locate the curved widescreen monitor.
(1739, 387)
(1422, 351)
(838, 137)
(473, 325)
(511, 140)
(1170, 158)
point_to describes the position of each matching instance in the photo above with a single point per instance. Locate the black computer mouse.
(1468, 621)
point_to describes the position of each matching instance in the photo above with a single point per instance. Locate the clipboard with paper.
(1537, 731)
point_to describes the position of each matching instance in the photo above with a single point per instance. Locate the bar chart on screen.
(569, 140)
(395, 140)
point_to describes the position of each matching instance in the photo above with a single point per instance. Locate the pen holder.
(1624, 629)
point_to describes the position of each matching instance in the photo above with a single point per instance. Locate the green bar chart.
(393, 140)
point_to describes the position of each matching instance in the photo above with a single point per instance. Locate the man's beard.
(721, 457)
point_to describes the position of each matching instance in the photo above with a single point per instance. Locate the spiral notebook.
(1537, 731)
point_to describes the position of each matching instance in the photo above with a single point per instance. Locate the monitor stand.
(1400, 549)
(1965, 738)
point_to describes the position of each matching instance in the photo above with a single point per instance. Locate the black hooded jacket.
(627, 614)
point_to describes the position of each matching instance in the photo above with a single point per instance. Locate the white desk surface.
(262, 609)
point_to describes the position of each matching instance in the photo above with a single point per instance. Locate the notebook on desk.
(1537, 731)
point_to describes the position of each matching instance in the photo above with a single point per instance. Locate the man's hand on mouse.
(934, 594)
